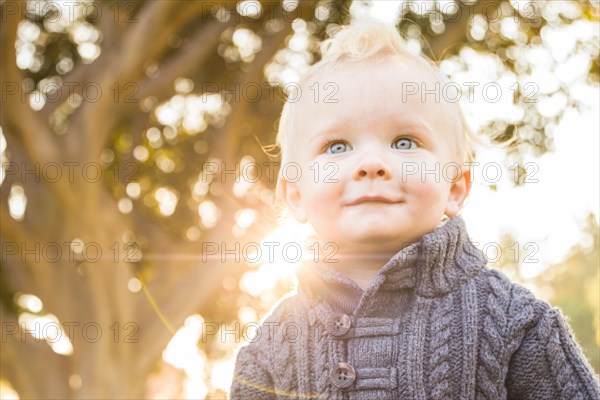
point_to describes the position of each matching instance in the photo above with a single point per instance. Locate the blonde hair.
(366, 39)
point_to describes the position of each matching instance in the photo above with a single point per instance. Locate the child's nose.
(372, 166)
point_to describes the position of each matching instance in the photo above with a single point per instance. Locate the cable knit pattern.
(434, 323)
(489, 374)
(440, 350)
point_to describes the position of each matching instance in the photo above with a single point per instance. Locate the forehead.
(407, 80)
(388, 88)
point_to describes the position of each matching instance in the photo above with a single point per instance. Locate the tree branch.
(81, 73)
(195, 52)
(35, 135)
(23, 362)
(196, 285)
(159, 20)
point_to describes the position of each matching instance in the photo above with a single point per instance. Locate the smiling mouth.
(372, 199)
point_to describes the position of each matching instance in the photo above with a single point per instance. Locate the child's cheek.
(426, 188)
(326, 194)
(318, 196)
(321, 178)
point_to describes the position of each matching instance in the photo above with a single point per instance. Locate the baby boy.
(406, 307)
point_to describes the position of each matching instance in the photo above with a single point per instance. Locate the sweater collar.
(433, 266)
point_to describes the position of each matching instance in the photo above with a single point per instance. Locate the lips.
(372, 199)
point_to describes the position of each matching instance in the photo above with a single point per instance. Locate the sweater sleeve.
(251, 379)
(549, 364)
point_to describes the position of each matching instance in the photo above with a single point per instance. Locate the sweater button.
(339, 324)
(343, 376)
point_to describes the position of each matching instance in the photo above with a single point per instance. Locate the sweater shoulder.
(511, 301)
(284, 309)
(274, 326)
(266, 359)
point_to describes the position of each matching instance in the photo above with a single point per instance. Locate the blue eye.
(404, 144)
(337, 147)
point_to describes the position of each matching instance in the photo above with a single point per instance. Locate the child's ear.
(459, 191)
(290, 194)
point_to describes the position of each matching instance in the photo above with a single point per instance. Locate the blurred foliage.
(162, 61)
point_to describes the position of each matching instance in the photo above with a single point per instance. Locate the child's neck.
(362, 277)
(361, 268)
(359, 264)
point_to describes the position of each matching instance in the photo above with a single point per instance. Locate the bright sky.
(549, 213)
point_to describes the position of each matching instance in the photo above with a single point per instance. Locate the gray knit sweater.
(435, 323)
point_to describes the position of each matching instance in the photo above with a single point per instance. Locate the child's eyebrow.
(325, 129)
(420, 127)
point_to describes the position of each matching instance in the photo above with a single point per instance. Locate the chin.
(377, 237)
(386, 227)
